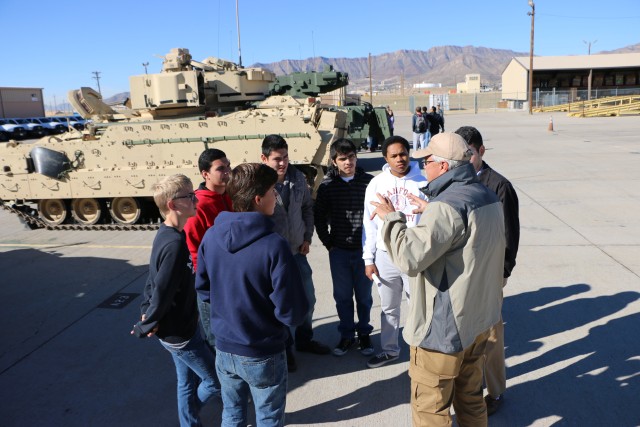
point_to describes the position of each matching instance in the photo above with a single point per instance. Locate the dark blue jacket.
(169, 300)
(248, 274)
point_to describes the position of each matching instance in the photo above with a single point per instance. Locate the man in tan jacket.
(454, 258)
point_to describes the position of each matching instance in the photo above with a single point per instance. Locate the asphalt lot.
(572, 308)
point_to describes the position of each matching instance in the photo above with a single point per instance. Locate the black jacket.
(339, 209)
(169, 300)
(435, 123)
(507, 195)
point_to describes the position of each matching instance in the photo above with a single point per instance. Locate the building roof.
(613, 60)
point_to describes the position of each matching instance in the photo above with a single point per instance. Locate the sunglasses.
(191, 196)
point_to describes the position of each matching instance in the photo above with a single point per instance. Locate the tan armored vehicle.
(101, 178)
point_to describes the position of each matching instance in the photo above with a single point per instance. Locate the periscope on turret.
(101, 177)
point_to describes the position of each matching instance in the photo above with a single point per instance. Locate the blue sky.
(58, 46)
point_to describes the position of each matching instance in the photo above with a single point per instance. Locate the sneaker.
(381, 359)
(313, 347)
(493, 404)
(364, 345)
(343, 346)
(292, 366)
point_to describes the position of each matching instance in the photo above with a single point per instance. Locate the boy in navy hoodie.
(169, 304)
(248, 274)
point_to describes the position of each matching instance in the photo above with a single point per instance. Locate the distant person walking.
(494, 366)
(427, 135)
(391, 118)
(435, 122)
(419, 128)
(440, 111)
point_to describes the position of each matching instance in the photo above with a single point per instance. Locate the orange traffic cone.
(550, 128)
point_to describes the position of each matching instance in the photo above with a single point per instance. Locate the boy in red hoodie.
(212, 199)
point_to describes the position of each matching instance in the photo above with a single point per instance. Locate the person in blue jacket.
(247, 272)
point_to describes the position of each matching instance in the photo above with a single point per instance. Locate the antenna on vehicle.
(238, 26)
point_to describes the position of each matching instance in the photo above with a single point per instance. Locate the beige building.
(570, 74)
(21, 102)
(471, 84)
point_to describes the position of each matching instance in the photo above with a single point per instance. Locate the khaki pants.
(495, 372)
(439, 380)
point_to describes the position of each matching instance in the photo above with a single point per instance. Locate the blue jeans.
(347, 273)
(264, 377)
(304, 331)
(204, 308)
(197, 381)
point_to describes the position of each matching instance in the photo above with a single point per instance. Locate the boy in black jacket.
(169, 308)
(494, 366)
(338, 214)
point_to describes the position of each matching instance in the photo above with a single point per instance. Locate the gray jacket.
(454, 258)
(295, 224)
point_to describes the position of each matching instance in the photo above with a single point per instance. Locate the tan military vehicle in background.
(101, 178)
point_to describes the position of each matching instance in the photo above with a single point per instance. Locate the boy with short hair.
(339, 211)
(169, 304)
(212, 199)
(400, 178)
(249, 276)
(293, 219)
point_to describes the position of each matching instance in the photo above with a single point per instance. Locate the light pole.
(96, 77)
(532, 15)
(589, 43)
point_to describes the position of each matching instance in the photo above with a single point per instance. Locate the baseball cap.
(447, 145)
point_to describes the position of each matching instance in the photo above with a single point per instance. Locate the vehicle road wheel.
(86, 211)
(125, 210)
(53, 211)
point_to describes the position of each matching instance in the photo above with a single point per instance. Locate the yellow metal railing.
(609, 106)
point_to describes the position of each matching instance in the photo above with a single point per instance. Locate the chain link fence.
(494, 100)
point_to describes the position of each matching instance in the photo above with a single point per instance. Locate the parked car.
(78, 118)
(52, 126)
(69, 121)
(10, 130)
(34, 130)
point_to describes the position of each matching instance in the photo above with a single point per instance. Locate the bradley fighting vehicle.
(101, 177)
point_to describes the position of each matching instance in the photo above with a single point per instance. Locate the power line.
(597, 18)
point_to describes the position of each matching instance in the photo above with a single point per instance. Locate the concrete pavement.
(572, 308)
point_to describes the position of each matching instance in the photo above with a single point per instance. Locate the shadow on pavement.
(606, 361)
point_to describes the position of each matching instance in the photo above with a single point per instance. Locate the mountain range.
(445, 65)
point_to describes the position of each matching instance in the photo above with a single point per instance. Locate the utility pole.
(588, 43)
(96, 77)
(370, 82)
(532, 15)
(145, 65)
(55, 105)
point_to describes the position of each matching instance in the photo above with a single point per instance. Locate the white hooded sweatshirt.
(396, 189)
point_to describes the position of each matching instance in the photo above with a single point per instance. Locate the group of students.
(252, 281)
(425, 125)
